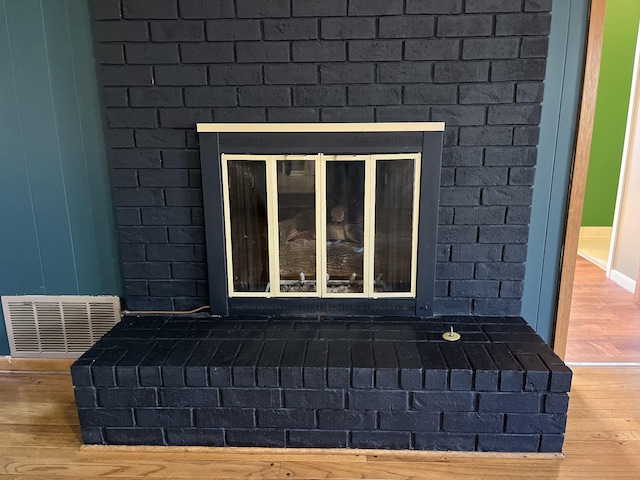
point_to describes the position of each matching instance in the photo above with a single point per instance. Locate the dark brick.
(139, 197)
(459, 115)
(163, 417)
(183, 197)
(170, 253)
(210, 96)
(166, 216)
(163, 178)
(194, 235)
(511, 289)
(401, 72)
(402, 114)
(479, 216)
(465, 26)
(486, 93)
(377, 400)
(508, 443)
(451, 306)
(132, 253)
(177, 31)
(476, 253)
(160, 138)
(514, 114)
(85, 397)
(92, 435)
(324, 51)
(150, 9)
(534, 47)
(481, 176)
(127, 117)
(126, 75)
(150, 53)
(266, 96)
(509, 402)
(262, 52)
(445, 441)
(347, 114)
(346, 28)
(457, 234)
(511, 156)
(490, 48)
(287, 74)
(556, 403)
(487, 6)
(539, 423)
(224, 417)
(375, 7)
(285, 418)
(184, 117)
(317, 438)
(551, 443)
(462, 157)
(498, 306)
(143, 235)
(110, 417)
(343, 419)
(519, 215)
(209, 437)
(537, 5)
(293, 115)
(251, 398)
(459, 196)
(454, 72)
(500, 271)
(235, 75)
(509, 195)
(472, 422)
(313, 399)
(515, 253)
(375, 50)
(128, 216)
(105, 9)
(172, 288)
(233, 30)
(432, 49)
(434, 6)
(263, 9)
(319, 96)
(410, 421)
(319, 8)
(136, 287)
(375, 95)
(124, 177)
(120, 138)
(206, 9)
(115, 97)
(523, 24)
(344, 73)
(155, 96)
(434, 94)
(127, 397)
(240, 115)
(134, 436)
(486, 136)
(291, 29)
(136, 159)
(147, 270)
(217, 52)
(416, 26)
(474, 288)
(129, 31)
(529, 92)
(384, 440)
(180, 75)
(526, 135)
(527, 70)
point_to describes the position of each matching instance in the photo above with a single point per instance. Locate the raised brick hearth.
(323, 382)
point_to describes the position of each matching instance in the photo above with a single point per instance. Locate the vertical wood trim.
(579, 175)
(636, 294)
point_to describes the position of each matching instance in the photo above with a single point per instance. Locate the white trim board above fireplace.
(342, 166)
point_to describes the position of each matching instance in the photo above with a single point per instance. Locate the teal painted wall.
(57, 233)
(614, 89)
(563, 85)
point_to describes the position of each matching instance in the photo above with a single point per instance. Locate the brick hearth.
(323, 382)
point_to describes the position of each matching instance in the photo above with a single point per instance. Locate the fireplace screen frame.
(375, 140)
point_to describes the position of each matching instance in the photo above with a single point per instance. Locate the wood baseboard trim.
(271, 453)
(10, 364)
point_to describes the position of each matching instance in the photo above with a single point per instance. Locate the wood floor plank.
(39, 439)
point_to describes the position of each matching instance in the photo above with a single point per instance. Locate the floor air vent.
(57, 327)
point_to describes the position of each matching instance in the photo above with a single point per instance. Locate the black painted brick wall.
(478, 65)
(335, 382)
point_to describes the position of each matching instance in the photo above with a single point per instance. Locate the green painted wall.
(616, 70)
(57, 234)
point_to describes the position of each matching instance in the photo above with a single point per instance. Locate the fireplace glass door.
(330, 226)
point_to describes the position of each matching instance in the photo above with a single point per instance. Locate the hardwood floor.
(604, 325)
(40, 439)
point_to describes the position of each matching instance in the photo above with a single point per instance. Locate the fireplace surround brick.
(357, 382)
(476, 64)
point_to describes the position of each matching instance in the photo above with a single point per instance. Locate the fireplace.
(321, 218)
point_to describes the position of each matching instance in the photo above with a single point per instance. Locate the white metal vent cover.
(42, 326)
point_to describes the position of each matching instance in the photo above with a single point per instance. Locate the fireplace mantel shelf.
(320, 127)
